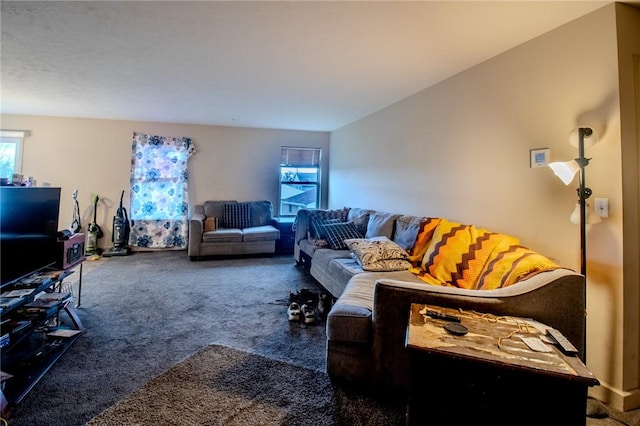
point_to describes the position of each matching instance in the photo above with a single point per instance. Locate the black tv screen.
(28, 230)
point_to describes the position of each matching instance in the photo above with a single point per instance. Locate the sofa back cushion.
(406, 231)
(214, 208)
(261, 212)
(381, 225)
(360, 218)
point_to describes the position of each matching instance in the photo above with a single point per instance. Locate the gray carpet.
(147, 312)
(225, 386)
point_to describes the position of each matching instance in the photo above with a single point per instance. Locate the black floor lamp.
(566, 171)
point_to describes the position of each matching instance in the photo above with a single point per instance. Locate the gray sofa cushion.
(350, 318)
(222, 236)
(333, 277)
(342, 269)
(308, 247)
(360, 218)
(407, 228)
(381, 225)
(347, 265)
(323, 256)
(260, 233)
(214, 208)
(261, 212)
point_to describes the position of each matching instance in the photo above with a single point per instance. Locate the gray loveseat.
(367, 324)
(231, 228)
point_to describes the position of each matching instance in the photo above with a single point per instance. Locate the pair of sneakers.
(302, 306)
(304, 313)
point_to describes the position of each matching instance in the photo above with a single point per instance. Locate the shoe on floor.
(293, 297)
(324, 304)
(293, 312)
(308, 314)
(304, 297)
(309, 296)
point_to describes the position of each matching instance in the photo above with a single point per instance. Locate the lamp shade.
(565, 170)
(590, 136)
(592, 216)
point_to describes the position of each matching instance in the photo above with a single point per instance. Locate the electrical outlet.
(602, 207)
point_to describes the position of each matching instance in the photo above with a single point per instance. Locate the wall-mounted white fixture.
(592, 216)
(539, 157)
(602, 207)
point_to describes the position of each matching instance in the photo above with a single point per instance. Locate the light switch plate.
(602, 207)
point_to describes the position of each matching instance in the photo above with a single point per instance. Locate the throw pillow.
(340, 214)
(210, 224)
(317, 225)
(236, 215)
(338, 232)
(379, 254)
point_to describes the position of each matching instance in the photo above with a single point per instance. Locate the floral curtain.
(159, 192)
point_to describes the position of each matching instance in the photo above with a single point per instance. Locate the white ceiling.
(308, 65)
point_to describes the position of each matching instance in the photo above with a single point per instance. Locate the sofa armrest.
(301, 226)
(555, 298)
(196, 229)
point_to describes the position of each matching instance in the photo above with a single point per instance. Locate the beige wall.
(95, 157)
(460, 150)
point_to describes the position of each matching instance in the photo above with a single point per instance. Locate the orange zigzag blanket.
(474, 258)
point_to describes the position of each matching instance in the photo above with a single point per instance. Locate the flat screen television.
(28, 230)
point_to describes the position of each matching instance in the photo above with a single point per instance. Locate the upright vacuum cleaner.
(94, 233)
(120, 235)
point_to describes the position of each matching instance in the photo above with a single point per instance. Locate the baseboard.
(616, 398)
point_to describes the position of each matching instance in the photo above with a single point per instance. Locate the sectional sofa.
(228, 227)
(367, 324)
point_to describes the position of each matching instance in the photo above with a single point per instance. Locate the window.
(11, 152)
(299, 179)
(159, 191)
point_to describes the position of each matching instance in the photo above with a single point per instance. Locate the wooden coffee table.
(489, 374)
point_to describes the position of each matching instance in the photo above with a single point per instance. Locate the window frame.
(299, 162)
(18, 137)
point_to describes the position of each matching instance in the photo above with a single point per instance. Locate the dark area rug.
(219, 385)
